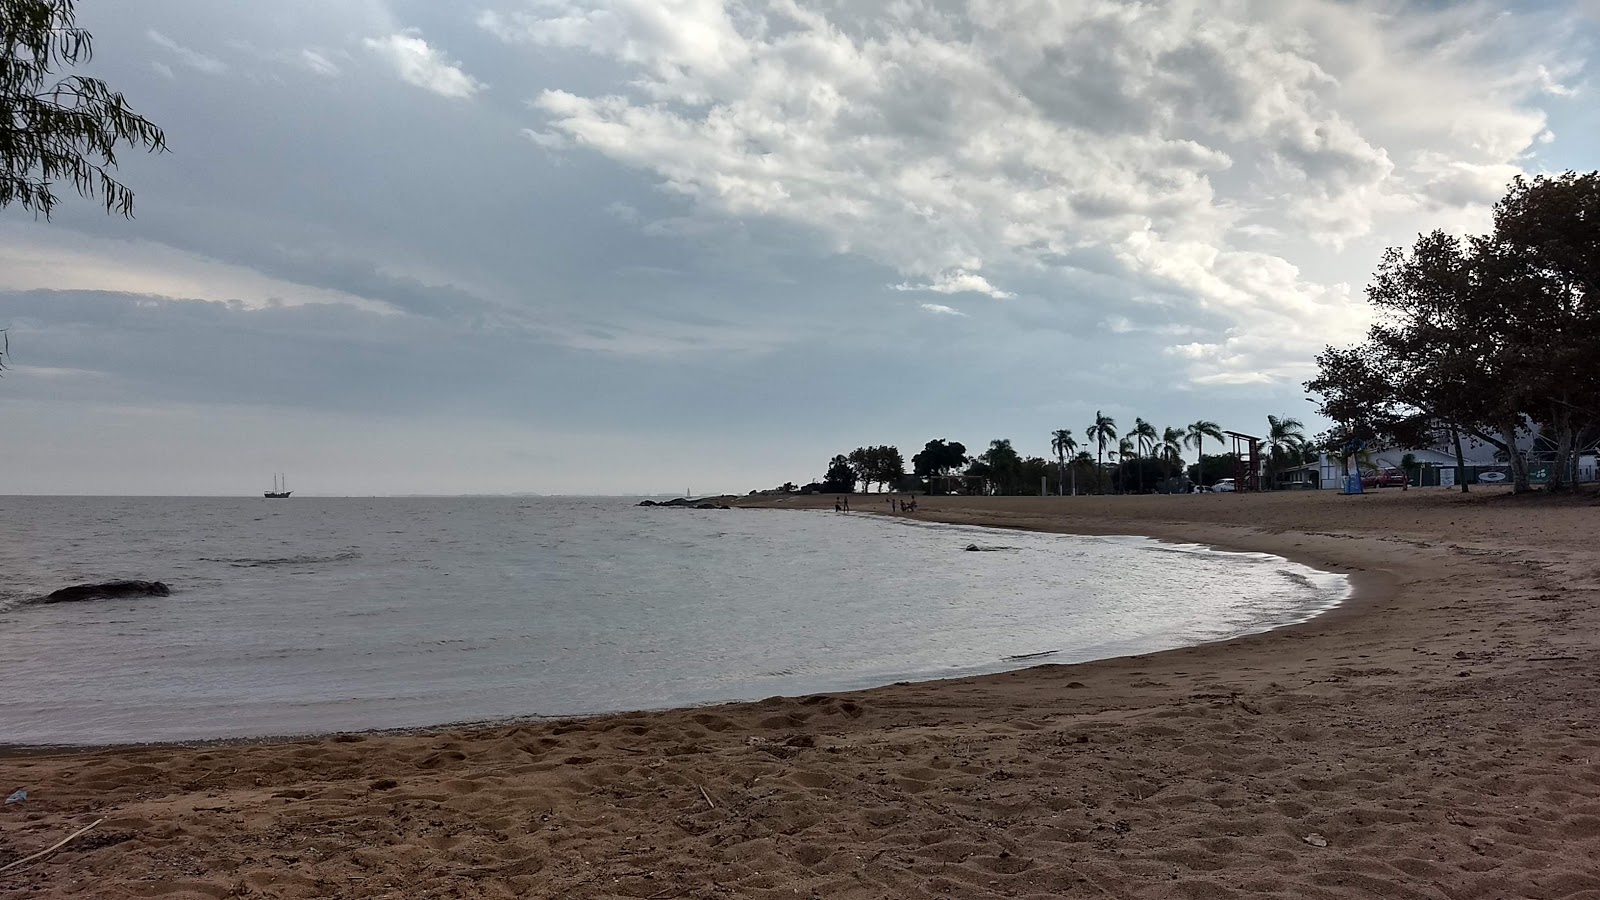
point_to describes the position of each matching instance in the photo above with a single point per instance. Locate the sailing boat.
(280, 488)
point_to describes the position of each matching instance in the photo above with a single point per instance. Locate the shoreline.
(1432, 735)
(1351, 593)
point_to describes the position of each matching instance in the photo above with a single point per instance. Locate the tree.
(939, 457)
(1033, 474)
(1172, 450)
(1062, 444)
(1286, 439)
(1195, 437)
(1484, 336)
(1083, 464)
(1211, 469)
(1125, 457)
(1102, 432)
(841, 479)
(861, 464)
(1546, 243)
(888, 466)
(1144, 439)
(1004, 465)
(62, 131)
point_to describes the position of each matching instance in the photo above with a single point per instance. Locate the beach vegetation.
(939, 457)
(60, 131)
(1195, 436)
(1488, 336)
(1101, 433)
(881, 465)
(1286, 446)
(840, 478)
(1062, 444)
(1170, 451)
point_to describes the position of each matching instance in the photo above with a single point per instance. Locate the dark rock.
(647, 503)
(108, 590)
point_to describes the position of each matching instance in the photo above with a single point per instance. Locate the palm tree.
(1195, 437)
(1172, 448)
(1286, 441)
(1144, 440)
(1125, 452)
(1102, 432)
(1003, 464)
(1061, 443)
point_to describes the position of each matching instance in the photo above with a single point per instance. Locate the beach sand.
(1435, 737)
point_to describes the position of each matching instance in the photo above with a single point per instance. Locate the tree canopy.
(1485, 336)
(939, 457)
(877, 465)
(62, 131)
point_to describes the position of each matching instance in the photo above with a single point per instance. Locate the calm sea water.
(314, 615)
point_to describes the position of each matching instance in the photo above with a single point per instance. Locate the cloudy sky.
(619, 246)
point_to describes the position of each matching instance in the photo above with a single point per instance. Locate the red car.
(1387, 477)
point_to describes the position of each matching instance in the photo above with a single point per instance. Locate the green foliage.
(1285, 445)
(1212, 469)
(62, 131)
(1170, 450)
(1136, 474)
(841, 479)
(939, 457)
(1482, 335)
(1195, 436)
(1144, 441)
(1002, 467)
(876, 465)
(1062, 444)
(1101, 433)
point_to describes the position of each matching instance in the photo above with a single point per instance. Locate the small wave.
(1039, 655)
(251, 563)
(1299, 578)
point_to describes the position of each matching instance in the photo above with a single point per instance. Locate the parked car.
(1385, 477)
(1224, 486)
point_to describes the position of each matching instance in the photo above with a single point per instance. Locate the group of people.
(842, 504)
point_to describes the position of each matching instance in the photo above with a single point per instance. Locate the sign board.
(1447, 476)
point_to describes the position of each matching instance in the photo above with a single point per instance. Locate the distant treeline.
(1144, 459)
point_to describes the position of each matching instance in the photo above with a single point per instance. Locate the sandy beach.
(1434, 737)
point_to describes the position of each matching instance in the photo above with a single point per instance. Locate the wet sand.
(1434, 737)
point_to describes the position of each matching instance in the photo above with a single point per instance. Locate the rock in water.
(106, 590)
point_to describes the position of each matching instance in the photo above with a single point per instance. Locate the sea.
(312, 615)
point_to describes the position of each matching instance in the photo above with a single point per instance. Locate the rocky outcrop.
(107, 590)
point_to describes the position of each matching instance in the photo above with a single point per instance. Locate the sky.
(618, 246)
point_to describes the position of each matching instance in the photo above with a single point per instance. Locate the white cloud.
(958, 282)
(939, 309)
(549, 140)
(194, 59)
(1199, 145)
(424, 66)
(317, 62)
